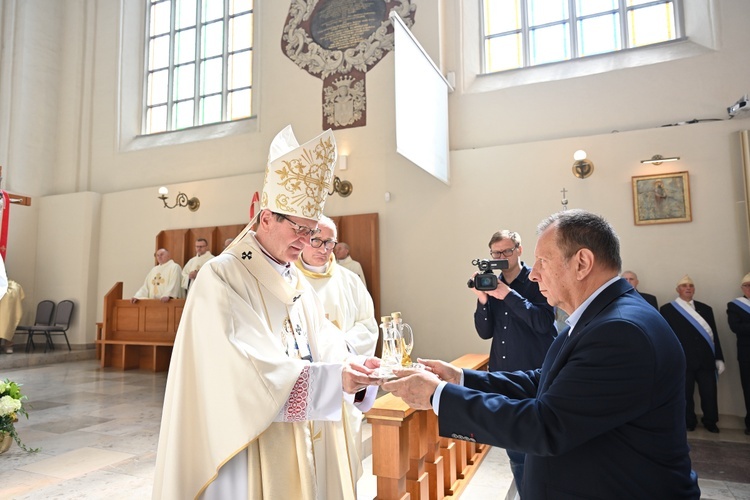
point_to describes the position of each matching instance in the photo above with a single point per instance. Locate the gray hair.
(328, 222)
(577, 229)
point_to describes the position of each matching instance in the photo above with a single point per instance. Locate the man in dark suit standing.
(738, 315)
(632, 278)
(604, 416)
(694, 324)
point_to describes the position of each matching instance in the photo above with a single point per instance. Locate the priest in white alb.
(348, 305)
(258, 376)
(344, 259)
(163, 281)
(191, 268)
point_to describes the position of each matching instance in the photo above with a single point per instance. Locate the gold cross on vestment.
(157, 281)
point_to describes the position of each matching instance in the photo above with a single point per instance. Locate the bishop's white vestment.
(163, 280)
(246, 413)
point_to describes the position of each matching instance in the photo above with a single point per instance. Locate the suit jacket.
(698, 354)
(650, 299)
(603, 418)
(739, 323)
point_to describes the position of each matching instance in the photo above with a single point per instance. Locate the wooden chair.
(44, 311)
(63, 316)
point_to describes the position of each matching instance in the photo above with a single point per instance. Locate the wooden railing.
(139, 335)
(410, 459)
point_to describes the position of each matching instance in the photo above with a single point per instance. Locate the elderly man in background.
(738, 315)
(632, 278)
(604, 416)
(162, 281)
(190, 271)
(693, 323)
(258, 378)
(348, 305)
(344, 259)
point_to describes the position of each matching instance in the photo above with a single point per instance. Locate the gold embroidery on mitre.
(306, 180)
(298, 178)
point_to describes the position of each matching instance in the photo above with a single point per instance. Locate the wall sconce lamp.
(659, 159)
(582, 167)
(343, 188)
(181, 200)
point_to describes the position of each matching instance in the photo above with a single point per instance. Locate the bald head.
(341, 251)
(162, 256)
(631, 278)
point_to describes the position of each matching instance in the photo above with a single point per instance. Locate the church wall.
(511, 156)
(68, 257)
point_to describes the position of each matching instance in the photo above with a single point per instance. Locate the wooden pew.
(139, 335)
(410, 459)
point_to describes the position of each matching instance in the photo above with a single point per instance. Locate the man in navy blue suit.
(605, 415)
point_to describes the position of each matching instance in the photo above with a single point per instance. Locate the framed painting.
(661, 198)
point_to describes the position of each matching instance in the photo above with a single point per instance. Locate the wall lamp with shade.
(659, 159)
(582, 167)
(181, 200)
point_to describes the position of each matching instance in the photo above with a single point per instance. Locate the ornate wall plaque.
(338, 41)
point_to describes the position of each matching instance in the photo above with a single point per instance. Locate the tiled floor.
(98, 430)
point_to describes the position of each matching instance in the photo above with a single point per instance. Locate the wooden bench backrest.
(146, 320)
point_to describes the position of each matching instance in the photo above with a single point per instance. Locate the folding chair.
(44, 311)
(63, 315)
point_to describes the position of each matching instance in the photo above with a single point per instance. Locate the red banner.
(255, 200)
(4, 224)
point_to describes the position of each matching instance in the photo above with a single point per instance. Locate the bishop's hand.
(356, 376)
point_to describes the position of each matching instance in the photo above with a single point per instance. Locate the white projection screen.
(421, 105)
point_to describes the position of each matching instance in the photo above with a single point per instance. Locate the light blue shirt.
(576, 315)
(571, 321)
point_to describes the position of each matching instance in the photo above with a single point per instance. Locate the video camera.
(486, 280)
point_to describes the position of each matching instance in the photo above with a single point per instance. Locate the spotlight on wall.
(582, 167)
(343, 188)
(181, 200)
(659, 159)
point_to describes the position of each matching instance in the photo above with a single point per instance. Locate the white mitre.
(298, 178)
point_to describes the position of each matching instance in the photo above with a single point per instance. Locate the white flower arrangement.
(11, 404)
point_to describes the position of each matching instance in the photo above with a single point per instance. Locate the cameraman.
(518, 319)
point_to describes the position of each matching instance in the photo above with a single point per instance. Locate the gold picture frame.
(661, 198)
